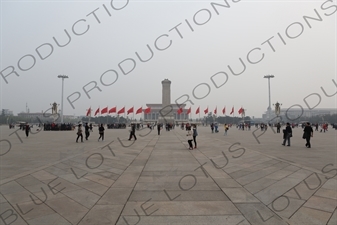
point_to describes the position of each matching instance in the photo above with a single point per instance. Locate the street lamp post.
(269, 107)
(63, 77)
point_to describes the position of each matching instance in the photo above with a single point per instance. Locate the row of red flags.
(180, 110)
(148, 110)
(114, 110)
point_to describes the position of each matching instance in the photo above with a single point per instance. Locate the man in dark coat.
(87, 133)
(27, 129)
(133, 132)
(158, 128)
(287, 134)
(308, 133)
(278, 126)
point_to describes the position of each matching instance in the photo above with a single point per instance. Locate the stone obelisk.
(166, 113)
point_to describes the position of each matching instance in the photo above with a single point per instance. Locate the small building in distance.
(42, 116)
(6, 112)
(298, 113)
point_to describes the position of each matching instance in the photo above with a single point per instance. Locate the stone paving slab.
(165, 208)
(309, 216)
(179, 195)
(333, 218)
(259, 185)
(102, 215)
(184, 220)
(157, 180)
(258, 213)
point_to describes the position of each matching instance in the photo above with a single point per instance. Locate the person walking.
(278, 127)
(133, 132)
(195, 134)
(189, 138)
(87, 133)
(287, 134)
(226, 129)
(308, 133)
(212, 127)
(27, 129)
(101, 132)
(216, 127)
(316, 127)
(158, 128)
(79, 133)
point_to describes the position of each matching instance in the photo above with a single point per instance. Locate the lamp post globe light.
(269, 107)
(63, 77)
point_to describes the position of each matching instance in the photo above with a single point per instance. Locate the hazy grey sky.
(195, 40)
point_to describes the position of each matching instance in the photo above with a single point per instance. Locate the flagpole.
(191, 115)
(124, 113)
(233, 115)
(89, 114)
(99, 114)
(199, 113)
(141, 116)
(216, 113)
(107, 115)
(224, 112)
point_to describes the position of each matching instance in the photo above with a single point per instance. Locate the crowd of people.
(287, 131)
(190, 128)
(57, 126)
(116, 126)
(192, 132)
(89, 129)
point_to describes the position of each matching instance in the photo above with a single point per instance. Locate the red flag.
(180, 110)
(188, 111)
(104, 110)
(89, 111)
(224, 110)
(121, 111)
(130, 110)
(147, 110)
(97, 111)
(206, 110)
(198, 110)
(140, 110)
(215, 110)
(232, 111)
(240, 110)
(113, 110)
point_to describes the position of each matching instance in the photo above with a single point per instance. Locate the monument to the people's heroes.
(166, 112)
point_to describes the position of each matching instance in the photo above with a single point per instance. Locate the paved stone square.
(246, 177)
